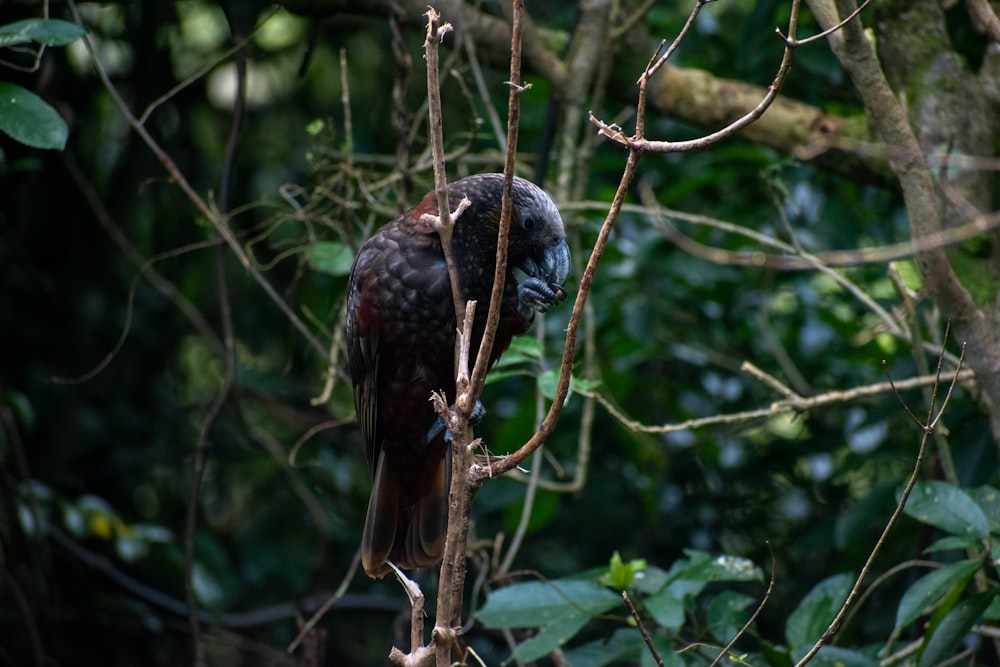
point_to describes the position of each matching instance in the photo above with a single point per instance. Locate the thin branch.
(973, 227)
(330, 601)
(801, 404)
(792, 42)
(502, 465)
(753, 617)
(445, 223)
(225, 311)
(218, 220)
(642, 628)
(145, 268)
(640, 143)
(655, 62)
(927, 430)
(637, 145)
(237, 620)
(451, 582)
(506, 209)
(21, 602)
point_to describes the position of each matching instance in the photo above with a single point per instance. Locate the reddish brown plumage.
(401, 339)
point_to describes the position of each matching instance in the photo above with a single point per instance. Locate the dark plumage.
(401, 342)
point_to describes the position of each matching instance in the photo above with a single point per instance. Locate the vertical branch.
(858, 56)
(927, 428)
(202, 446)
(445, 222)
(451, 582)
(499, 275)
(468, 389)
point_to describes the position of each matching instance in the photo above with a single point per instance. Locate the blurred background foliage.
(106, 384)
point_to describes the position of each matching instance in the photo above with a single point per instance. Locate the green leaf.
(620, 574)
(726, 614)
(929, 590)
(625, 644)
(667, 655)
(28, 119)
(812, 617)
(666, 609)
(523, 349)
(552, 636)
(834, 656)
(706, 568)
(953, 543)
(993, 611)
(650, 580)
(548, 381)
(947, 636)
(330, 257)
(52, 32)
(946, 507)
(988, 499)
(536, 603)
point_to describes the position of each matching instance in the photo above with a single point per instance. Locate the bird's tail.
(408, 532)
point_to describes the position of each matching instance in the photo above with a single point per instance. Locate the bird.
(400, 338)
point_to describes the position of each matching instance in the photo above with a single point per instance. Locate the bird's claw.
(476, 416)
(534, 294)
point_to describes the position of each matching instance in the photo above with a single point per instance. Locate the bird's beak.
(553, 268)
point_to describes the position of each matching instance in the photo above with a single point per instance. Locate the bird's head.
(536, 242)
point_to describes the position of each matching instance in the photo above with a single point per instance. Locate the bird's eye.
(528, 224)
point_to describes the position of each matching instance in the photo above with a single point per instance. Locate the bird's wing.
(364, 358)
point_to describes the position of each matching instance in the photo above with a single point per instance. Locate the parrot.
(400, 339)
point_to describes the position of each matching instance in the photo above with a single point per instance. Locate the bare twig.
(800, 404)
(791, 41)
(640, 143)
(330, 601)
(229, 338)
(642, 628)
(637, 145)
(445, 223)
(753, 617)
(927, 428)
(451, 582)
(217, 219)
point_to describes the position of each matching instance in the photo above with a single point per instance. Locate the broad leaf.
(707, 568)
(953, 543)
(27, 118)
(552, 636)
(834, 656)
(929, 590)
(666, 609)
(52, 32)
(548, 381)
(988, 499)
(812, 617)
(947, 636)
(624, 644)
(535, 603)
(949, 508)
(331, 257)
(523, 349)
(727, 614)
(650, 580)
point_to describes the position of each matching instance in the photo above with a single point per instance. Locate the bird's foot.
(534, 294)
(478, 412)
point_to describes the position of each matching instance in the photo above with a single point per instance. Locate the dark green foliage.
(107, 382)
